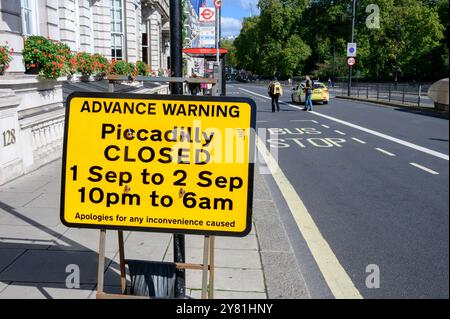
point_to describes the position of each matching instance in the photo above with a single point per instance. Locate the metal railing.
(411, 94)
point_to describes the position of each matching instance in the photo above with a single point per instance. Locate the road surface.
(364, 192)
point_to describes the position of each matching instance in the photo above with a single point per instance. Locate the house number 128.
(9, 137)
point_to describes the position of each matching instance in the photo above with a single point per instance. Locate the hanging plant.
(5, 57)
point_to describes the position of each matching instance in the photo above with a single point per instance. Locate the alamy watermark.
(373, 19)
(73, 279)
(373, 279)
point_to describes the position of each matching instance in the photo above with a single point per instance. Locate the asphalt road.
(375, 181)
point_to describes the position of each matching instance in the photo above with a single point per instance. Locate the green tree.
(231, 59)
(247, 45)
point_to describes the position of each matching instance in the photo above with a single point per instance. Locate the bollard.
(403, 95)
(418, 96)
(367, 91)
(389, 92)
(378, 91)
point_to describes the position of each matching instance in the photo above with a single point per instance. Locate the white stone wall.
(102, 27)
(67, 23)
(155, 41)
(85, 26)
(48, 18)
(132, 30)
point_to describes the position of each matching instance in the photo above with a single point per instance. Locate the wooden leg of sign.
(101, 262)
(111, 86)
(211, 267)
(205, 267)
(123, 278)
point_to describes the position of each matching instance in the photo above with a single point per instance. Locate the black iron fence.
(410, 93)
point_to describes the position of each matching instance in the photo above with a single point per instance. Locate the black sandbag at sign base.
(152, 279)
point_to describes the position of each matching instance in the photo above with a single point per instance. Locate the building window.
(117, 36)
(144, 43)
(29, 19)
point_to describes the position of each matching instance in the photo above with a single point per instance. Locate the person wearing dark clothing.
(275, 91)
(308, 94)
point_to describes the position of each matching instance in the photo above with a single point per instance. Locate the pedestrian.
(308, 94)
(329, 82)
(275, 91)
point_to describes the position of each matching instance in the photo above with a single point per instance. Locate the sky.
(233, 12)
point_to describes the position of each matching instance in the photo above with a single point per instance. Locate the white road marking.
(424, 168)
(261, 121)
(314, 121)
(339, 132)
(361, 128)
(326, 126)
(358, 140)
(384, 151)
(335, 275)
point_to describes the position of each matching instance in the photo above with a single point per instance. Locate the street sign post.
(351, 49)
(159, 163)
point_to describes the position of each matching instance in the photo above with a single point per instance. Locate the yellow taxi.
(320, 93)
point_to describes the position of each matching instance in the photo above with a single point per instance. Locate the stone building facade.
(131, 30)
(32, 108)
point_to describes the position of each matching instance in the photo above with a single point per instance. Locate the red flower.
(36, 50)
(33, 65)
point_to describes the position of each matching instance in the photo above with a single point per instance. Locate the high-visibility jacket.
(276, 88)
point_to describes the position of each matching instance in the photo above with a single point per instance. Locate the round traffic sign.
(217, 3)
(351, 61)
(207, 14)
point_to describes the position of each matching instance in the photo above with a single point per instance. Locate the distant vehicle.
(438, 92)
(320, 93)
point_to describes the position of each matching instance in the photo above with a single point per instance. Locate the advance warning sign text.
(158, 163)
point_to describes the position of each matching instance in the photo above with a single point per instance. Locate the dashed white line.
(424, 168)
(261, 121)
(326, 126)
(384, 151)
(314, 121)
(358, 140)
(339, 132)
(361, 128)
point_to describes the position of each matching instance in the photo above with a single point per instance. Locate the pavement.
(36, 249)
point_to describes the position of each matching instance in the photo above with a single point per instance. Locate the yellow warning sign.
(158, 163)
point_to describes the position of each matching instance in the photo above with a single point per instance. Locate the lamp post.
(176, 46)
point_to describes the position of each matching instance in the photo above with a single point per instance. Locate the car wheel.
(325, 102)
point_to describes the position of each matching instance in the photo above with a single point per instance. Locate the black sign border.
(252, 104)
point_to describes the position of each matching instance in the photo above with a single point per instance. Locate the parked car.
(320, 93)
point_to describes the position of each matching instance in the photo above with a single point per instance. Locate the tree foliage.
(292, 37)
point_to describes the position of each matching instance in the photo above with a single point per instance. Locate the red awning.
(207, 52)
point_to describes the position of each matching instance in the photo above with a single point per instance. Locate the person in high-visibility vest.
(275, 91)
